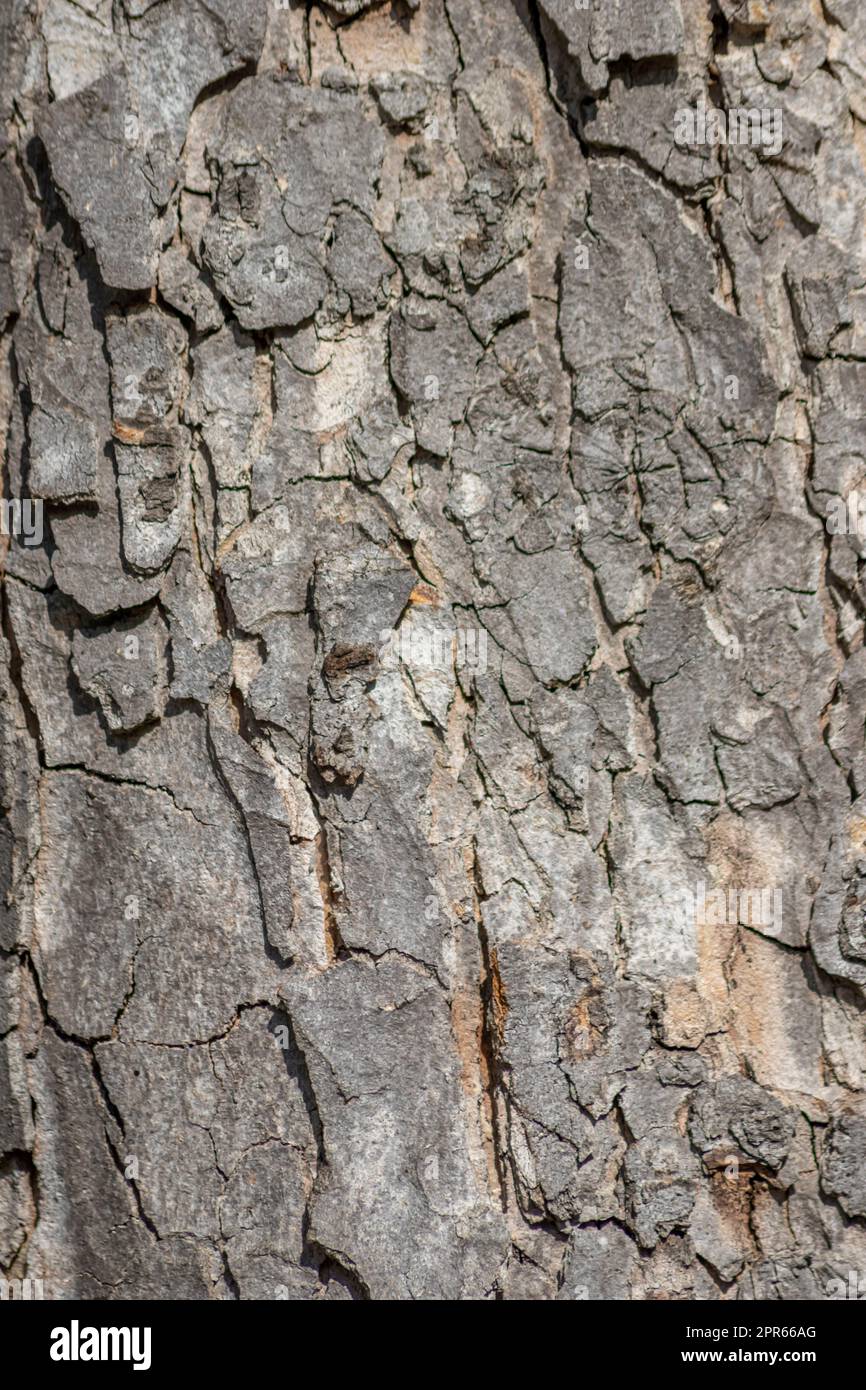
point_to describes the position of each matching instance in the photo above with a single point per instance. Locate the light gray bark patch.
(377, 1041)
(283, 159)
(124, 668)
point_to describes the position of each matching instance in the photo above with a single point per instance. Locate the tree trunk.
(433, 673)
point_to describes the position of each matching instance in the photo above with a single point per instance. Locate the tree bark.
(433, 681)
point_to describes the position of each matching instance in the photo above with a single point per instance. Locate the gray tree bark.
(433, 681)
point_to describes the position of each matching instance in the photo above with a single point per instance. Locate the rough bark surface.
(434, 830)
